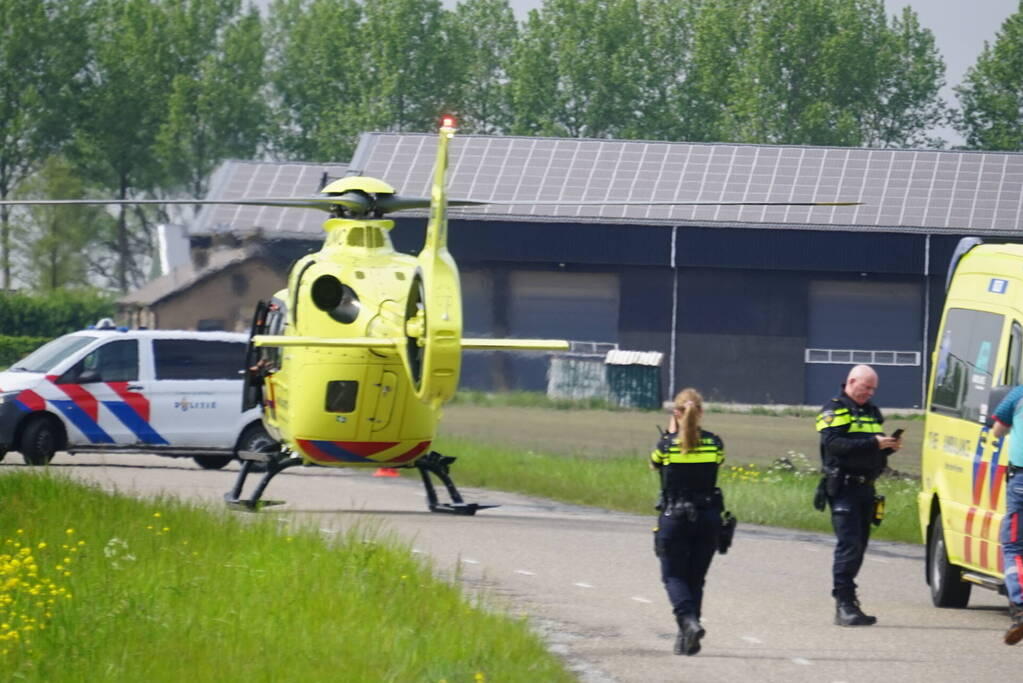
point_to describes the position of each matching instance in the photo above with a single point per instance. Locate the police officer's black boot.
(1014, 634)
(848, 613)
(687, 642)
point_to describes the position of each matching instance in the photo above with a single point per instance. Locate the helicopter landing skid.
(438, 465)
(271, 465)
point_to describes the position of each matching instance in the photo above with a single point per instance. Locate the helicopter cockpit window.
(341, 395)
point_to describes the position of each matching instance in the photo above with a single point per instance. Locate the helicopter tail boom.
(380, 342)
(515, 344)
(331, 342)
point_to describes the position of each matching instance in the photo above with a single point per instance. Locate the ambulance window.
(1012, 359)
(198, 359)
(966, 358)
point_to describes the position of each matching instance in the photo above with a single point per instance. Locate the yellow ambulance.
(977, 360)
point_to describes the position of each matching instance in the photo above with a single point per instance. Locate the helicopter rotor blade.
(613, 202)
(353, 202)
(390, 203)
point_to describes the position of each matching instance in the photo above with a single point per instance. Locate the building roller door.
(877, 323)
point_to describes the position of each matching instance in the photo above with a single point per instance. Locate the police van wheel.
(39, 441)
(212, 462)
(947, 588)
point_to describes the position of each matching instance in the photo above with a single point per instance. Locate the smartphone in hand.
(897, 434)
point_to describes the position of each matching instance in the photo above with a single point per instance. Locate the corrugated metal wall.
(743, 304)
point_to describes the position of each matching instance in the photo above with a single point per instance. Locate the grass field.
(100, 587)
(749, 438)
(599, 457)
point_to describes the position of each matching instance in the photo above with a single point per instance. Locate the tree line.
(144, 98)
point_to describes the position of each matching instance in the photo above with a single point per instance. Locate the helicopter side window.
(341, 395)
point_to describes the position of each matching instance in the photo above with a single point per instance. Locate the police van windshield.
(51, 353)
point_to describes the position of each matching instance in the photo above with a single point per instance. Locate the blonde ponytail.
(689, 405)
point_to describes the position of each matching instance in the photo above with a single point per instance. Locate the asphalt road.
(588, 580)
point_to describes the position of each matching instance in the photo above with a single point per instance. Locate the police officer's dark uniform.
(852, 462)
(687, 530)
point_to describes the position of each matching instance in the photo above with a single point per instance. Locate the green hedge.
(15, 348)
(52, 314)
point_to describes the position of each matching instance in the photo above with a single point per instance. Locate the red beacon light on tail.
(448, 122)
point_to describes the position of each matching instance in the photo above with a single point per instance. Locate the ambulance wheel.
(212, 462)
(947, 588)
(39, 441)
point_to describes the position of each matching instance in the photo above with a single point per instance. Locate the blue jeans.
(1011, 537)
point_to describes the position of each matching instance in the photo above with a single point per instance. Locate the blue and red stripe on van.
(994, 474)
(81, 409)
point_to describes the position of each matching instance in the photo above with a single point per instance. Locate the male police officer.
(854, 451)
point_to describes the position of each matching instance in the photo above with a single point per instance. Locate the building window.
(862, 357)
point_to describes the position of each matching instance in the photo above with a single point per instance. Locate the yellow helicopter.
(353, 360)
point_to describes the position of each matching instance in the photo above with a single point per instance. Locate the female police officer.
(687, 530)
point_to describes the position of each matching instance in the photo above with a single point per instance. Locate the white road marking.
(643, 600)
(328, 531)
(417, 551)
(801, 660)
(879, 560)
(470, 561)
(524, 572)
(582, 585)
(752, 639)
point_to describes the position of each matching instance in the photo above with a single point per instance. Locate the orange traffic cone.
(386, 472)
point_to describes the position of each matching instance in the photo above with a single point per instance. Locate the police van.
(976, 362)
(174, 393)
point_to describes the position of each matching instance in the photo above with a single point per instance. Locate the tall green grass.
(100, 587)
(776, 496)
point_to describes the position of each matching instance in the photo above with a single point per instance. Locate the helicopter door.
(252, 387)
(387, 387)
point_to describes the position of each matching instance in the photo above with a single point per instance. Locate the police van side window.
(117, 361)
(967, 353)
(198, 359)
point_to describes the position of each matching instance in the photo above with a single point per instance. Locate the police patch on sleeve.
(828, 416)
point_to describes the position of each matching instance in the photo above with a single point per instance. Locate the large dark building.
(757, 304)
